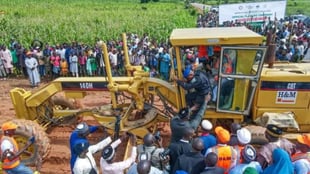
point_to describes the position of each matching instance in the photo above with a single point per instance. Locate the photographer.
(152, 148)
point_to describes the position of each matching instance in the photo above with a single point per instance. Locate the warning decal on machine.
(286, 97)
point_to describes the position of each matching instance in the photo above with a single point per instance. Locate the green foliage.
(144, 1)
(58, 21)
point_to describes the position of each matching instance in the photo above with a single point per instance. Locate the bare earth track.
(58, 160)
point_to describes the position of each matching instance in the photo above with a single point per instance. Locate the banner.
(252, 12)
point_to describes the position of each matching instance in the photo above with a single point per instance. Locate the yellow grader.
(256, 89)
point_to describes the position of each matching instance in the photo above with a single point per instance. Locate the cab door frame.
(252, 78)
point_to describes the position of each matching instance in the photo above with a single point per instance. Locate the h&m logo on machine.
(286, 97)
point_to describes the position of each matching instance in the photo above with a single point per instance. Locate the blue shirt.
(74, 137)
(301, 166)
(208, 141)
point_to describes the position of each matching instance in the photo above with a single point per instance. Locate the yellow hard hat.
(8, 126)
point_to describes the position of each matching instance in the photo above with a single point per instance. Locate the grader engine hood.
(285, 88)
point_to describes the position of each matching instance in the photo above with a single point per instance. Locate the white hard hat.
(244, 136)
(82, 128)
(206, 125)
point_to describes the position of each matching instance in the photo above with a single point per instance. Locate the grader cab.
(253, 90)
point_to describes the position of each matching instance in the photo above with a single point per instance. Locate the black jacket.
(191, 162)
(177, 149)
(200, 83)
(213, 170)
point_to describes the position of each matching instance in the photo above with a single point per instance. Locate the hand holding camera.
(164, 156)
(158, 139)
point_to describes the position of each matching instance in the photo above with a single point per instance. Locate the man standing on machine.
(197, 86)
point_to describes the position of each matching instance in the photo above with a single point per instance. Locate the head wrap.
(184, 112)
(82, 128)
(108, 153)
(250, 170)
(273, 130)
(304, 139)
(8, 126)
(281, 162)
(186, 71)
(180, 172)
(222, 134)
(248, 153)
(244, 136)
(206, 125)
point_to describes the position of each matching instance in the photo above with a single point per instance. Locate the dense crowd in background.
(78, 60)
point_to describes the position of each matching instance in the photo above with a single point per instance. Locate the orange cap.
(222, 134)
(304, 139)
(8, 126)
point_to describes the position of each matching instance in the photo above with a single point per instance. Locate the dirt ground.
(57, 161)
(59, 156)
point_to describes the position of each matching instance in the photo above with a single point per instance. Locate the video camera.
(157, 135)
(164, 155)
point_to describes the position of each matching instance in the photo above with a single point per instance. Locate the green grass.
(57, 21)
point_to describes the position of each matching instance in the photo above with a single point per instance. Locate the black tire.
(39, 150)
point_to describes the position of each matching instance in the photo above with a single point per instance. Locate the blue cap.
(186, 71)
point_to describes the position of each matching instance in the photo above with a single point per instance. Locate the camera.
(164, 155)
(157, 135)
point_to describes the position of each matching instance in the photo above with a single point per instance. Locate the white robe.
(6, 56)
(34, 76)
(74, 64)
(84, 165)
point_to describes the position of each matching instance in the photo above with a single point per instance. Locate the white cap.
(244, 136)
(82, 128)
(206, 125)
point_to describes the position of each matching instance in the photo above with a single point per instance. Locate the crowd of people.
(78, 59)
(47, 62)
(214, 150)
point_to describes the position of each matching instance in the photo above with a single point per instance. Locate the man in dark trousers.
(180, 147)
(192, 162)
(197, 85)
(185, 120)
